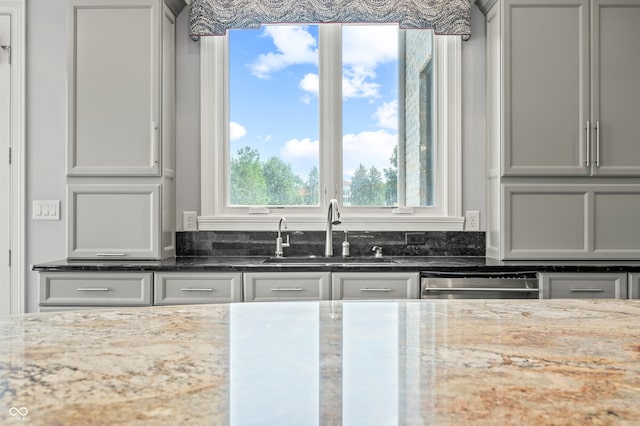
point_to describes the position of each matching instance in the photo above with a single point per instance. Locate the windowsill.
(315, 223)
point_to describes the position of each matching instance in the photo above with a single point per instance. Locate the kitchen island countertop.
(486, 362)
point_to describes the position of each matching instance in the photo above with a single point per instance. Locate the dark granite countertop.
(362, 264)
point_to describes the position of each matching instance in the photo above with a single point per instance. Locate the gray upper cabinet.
(615, 93)
(114, 87)
(571, 96)
(546, 87)
(563, 152)
(121, 128)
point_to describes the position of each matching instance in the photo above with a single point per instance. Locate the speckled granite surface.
(560, 362)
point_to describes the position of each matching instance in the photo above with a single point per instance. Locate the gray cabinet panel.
(374, 285)
(584, 285)
(114, 87)
(616, 92)
(95, 289)
(616, 228)
(171, 288)
(546, 87)
(545, 221)
(279, 286)
(573, 221)
(113, 221)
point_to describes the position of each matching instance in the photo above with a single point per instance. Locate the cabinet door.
(172, 288)
(583, 285)
(95, 289)
(277, 286)
(545, 222)
(634, 285)
(114, 87)
(615, 106)
(113, 221)
(616, 232)
(374, 285)
(546, 87)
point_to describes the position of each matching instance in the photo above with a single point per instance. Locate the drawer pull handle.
(370, 290)
(110, 254)
(196, 289)
(287, 289)
(587, 290)
(92, 289)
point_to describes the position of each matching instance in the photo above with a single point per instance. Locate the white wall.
(46, 87)
(46, 126)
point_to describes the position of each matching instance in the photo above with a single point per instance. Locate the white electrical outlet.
(189, 221)
(472, 220)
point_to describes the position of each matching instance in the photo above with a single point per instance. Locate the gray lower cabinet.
(634, 285)
(176, 288)
(374, 285)
(584, 285)
(282, 286)
(71, 290)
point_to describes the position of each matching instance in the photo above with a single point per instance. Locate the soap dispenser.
(345, 246)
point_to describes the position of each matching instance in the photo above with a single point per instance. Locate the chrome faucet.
(279, 244)
(333, 218)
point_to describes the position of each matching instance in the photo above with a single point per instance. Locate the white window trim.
(17, 10)
(214, 97)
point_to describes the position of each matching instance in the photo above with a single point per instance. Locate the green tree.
(367, 187)
(391, 179)
(312, 188)
(248, 184)
(284, 187)
(376, 187)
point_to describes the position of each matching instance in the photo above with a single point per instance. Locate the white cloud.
(294, 45)
(310, 83)
(387, 115)
(369, 149)
(236, 131)
(364, 48)
(302, 154)
(296, 149)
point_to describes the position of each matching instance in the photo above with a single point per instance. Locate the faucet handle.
(377, 250)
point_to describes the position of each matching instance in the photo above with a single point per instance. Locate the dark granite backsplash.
(303, 243)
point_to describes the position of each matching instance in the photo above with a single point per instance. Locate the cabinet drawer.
(275, 286)
(374, 285)
(96, 289)
(184, 288)
(584, 286)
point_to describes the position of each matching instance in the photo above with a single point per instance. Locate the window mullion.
(330, 112)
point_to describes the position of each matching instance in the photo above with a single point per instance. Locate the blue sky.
(274, 103)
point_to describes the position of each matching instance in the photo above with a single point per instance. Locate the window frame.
(214, 149)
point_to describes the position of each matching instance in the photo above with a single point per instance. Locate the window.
(293, 116)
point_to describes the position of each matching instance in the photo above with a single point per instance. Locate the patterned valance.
(215, 17)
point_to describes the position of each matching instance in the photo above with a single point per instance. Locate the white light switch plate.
(46, 209)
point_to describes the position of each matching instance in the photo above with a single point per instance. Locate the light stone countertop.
(458, 362)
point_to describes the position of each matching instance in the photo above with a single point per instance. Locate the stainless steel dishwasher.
(479, 285)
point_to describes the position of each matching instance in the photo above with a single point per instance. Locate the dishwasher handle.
(480, 274)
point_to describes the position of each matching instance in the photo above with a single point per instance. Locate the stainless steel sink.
(318, 260)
